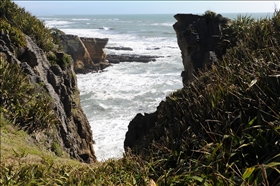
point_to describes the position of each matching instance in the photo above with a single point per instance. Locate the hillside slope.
(223, 127)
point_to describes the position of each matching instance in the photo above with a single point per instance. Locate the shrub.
(17, 37)
(30, 25)
(27, 105)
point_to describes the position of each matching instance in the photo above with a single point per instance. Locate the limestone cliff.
(88, 53)
(200, 39)
(73, 133)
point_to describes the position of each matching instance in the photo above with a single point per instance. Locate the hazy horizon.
(43, 8)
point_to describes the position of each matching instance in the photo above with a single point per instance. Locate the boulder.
(138, 129)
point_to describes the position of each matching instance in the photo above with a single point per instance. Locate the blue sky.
(145, 7)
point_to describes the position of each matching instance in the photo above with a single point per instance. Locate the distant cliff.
(88, 53)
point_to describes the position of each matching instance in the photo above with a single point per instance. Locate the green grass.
(224, 128)
(25, 162)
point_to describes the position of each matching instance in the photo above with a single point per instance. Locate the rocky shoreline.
(197, 37)
(89, 54)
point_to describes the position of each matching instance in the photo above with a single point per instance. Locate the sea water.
(111, 99)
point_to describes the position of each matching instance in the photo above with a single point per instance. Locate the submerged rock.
(120, 48)
(112, 58)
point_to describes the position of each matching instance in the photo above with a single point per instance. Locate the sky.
(145, 7)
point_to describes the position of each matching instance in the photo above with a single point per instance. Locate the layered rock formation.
(200, 40)
(73, 133)
(88, 53)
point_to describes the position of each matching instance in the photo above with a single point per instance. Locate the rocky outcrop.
(73, 133)
(112, 58)
(198, 38)
(139, 128)
(120, 48)
(88, 53)
(95, 48)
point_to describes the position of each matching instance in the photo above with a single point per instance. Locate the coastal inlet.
(111, 99)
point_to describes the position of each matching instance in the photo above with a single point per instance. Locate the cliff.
(200, 39)
(72, 132)
(88, 53)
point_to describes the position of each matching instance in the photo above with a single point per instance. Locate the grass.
(24, 162)
(222, 129)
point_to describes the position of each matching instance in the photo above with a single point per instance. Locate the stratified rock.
(198, 38)
(88, 53)
(73, 46)
(73, 132)
(95, 47)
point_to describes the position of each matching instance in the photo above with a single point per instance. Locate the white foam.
(81, 19)
(55, 23)
(123, 91)
(163, 24)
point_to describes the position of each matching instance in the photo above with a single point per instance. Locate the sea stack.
(198, 38)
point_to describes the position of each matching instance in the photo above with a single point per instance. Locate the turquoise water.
(111, 99)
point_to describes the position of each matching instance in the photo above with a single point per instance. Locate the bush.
(22, 20)
(16, 36)
(26, 105)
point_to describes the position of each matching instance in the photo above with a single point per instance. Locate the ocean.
(111, 99)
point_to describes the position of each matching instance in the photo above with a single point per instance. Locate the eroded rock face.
(73, 133)
(88, 53)
(95, 47)
(198, 38)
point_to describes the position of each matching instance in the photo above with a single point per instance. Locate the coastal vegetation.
(222, 129)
